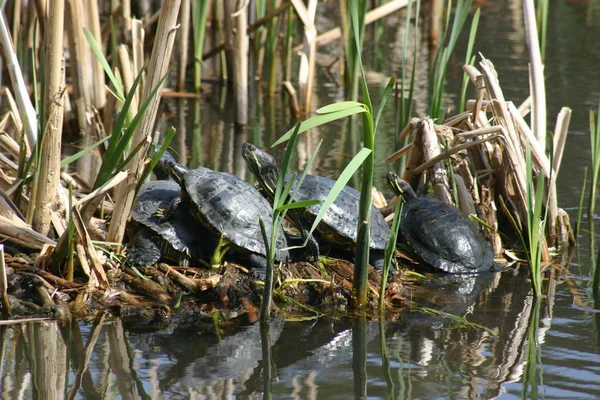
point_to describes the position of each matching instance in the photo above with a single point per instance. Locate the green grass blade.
(389, 250)
(68, 160)
(342, 105)
(319, 120)
(157, 156)
(337, 188)
(97, 49)
(581, 197)
(384, 98)
(299, 204)
(277, 201)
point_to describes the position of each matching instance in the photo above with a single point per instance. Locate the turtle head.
(400, 187)
(262, 165)
(160, 170)
(175, 170)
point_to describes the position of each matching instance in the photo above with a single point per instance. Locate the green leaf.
(97, 49)
(384, 99)
(319, 120)
(165, 145)
(337, 188)
(299, 204)
(342, 105)
(83, 152)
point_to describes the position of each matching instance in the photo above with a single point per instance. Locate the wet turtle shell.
(230, 206)
(338, 226)
(178, 239)
(440, 234)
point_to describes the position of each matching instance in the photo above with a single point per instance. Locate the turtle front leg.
(311, 251)
(165, 215)
(144, 250)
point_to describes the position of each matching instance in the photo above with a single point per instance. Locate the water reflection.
(421, 355)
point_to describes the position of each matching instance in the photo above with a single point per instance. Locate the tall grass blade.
(97, 49)
(389, 251)
(321, 119)
(581, 197)
(340, 183)
(595, 142)
(438, 74)
(469, 59)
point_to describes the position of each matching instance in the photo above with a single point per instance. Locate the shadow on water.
(421, 355)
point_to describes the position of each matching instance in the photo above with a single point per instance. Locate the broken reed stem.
(307, 58)
(49, 168)
(183, 42)
(92, 21)
(240, 62)
(6, 308)
(536, 74)
(157, 68)
(26, 110)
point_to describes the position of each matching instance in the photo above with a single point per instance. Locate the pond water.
(513, 348)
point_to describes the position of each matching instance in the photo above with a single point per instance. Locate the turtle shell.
(176, 236)
(339, 224)
(228, 205)
(443, 237)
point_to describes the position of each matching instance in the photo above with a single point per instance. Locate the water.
(546, 350)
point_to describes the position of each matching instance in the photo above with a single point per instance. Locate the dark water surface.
(527, 350)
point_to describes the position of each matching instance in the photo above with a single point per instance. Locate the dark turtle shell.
(442, 236)
(339, 224)
(177, 238)
(228, 205)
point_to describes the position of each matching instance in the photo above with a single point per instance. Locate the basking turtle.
(230, 209)
(338, 226)
(178, 239)
(440, 234)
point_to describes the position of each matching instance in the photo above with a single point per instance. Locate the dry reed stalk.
(128, 75)
(137, 46)
(307, 58)
(435, 24)
(83, 84)
(560, 136)
(17, 231)
(183, 40)
(559, 141)
(92, 21)
(240, 61)
(157, 69)
(294, 104)
(6, 308)
(432, 149)
(16, 20)
(536, 74)
(48, 183)
(26, 110)
(97, 276)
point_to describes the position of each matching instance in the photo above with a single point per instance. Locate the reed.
(405, 104)
(48, 183)
(199, 18)
(469, 60)
(536, 224)
(595, 143)
(440, 65)
(532, 377)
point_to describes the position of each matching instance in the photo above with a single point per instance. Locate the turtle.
(230, 209)
(177, 239)
(339, 225)
(440, 234)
